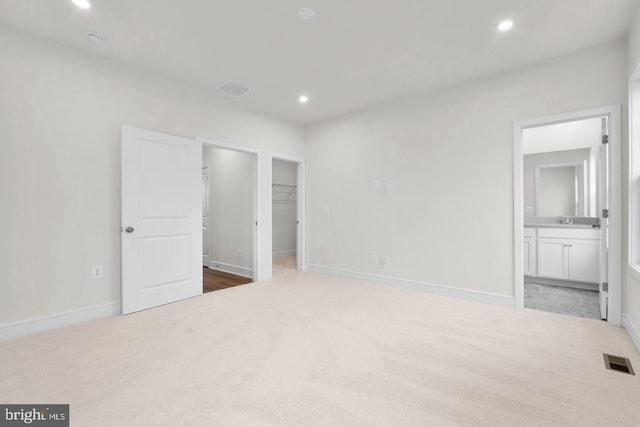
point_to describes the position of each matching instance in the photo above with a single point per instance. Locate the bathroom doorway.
(567, 244)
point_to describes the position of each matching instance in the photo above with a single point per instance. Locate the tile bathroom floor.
(562, 300)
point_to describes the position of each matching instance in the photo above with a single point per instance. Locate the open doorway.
(567, 214)
(564, 187)
(228, 212)
(284, 216)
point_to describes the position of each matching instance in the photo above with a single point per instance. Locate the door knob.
(129, 229)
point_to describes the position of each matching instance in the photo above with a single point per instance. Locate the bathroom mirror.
(560, 190)
(560, 184)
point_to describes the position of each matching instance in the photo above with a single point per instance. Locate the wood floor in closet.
(214, 280)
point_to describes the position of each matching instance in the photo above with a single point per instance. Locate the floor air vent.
(617, 363)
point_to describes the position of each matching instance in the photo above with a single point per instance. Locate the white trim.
(615, 202)
(282, 254)
(563, 283)
(634, 333)
(465, 294)
(227, 145)
(633, 270)
(633, 245)
(301, 193)
(256, 262)
(66, 318)
(230, 268)
(518, 217)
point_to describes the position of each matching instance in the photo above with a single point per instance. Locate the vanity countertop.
(559, 226)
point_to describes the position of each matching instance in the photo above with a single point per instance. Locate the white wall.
(284, 215)
(631, 290)
(231, 182)
(60, 116)
(447, 218)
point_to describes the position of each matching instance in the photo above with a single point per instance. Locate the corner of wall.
(632, 330)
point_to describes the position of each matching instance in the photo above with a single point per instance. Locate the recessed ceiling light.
(95, 38)
(505, 25)
(303, 99)
(82, 4)
(306, 13)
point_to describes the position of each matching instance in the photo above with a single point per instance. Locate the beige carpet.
(312, 350)
(283, 265)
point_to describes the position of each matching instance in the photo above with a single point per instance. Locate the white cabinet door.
(529, 253)
(553, 258)
(584, 259)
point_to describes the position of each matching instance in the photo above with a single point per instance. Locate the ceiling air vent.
(234, 88)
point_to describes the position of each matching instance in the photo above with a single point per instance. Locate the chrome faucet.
(566, 220)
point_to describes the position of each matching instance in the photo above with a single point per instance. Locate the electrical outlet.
(374, 183)
(96, 272)
(240, 253)
(384, 261)
(374, 259)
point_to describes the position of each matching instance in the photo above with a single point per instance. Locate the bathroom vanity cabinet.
(563, 253)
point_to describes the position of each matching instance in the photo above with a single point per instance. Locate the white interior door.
(603, 198)
(161, 219)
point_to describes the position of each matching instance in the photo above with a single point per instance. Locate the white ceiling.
(353, 54)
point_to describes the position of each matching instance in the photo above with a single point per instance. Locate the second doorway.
(284, 194)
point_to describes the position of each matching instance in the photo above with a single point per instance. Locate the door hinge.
(256, 223)
(605, 287)
(605, 213)
(605, 139)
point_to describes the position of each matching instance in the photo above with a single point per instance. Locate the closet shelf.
(284, 194)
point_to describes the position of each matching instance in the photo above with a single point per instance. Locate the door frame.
(255, 261)
(300, 206)
(206, 239)
(613, 112)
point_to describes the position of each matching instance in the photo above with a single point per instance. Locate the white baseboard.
(282, 254)
(44, 323)
(466, 294)
(631, 329)
(230, 268)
